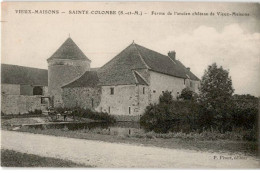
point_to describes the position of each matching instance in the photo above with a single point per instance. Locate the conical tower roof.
(69, 50)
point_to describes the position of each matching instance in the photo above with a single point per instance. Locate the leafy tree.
(216, 93)
(187, 94)
(166, 97)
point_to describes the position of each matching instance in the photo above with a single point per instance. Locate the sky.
(231, 41)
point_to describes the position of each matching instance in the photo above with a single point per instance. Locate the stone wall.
(81, 97)
(19, 104)
(14, 89)
(127, 100)
(161, 82)
(61, 72)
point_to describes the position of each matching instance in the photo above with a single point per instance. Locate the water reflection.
(90, 125)
(114, 128)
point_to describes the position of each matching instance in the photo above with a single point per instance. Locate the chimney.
(188, 68)
(172, 54)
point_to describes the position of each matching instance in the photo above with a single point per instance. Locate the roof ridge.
(114, 58)
(24, 66)
(141, 56)
(73, 80)
(135, 76)
(171, 59)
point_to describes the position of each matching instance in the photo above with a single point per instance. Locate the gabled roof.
(14, 74)
(88, 79)
(69, 50)
(188, 72)
(119, 70)
(162, 63)
(139, 79)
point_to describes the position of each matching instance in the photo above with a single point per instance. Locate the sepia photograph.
(168, 85)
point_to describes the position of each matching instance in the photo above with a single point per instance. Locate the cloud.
(232, 47)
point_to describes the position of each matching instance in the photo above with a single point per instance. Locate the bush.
(35, 112)
(87, 113)
(187, 94)
(189, 115)
(163, 117)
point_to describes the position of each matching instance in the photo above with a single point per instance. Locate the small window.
(129, 110)
(190, 84)
(109, 109)
(154, 91)
(92, 102)
(184, 81)
(143, 90)
(111, 91)
(38, 90)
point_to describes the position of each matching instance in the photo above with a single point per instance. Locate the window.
(37, 90)
(154, 91)
(111, 91)
(129, 110)
(92, 102)
(143, 90)
(184, 81)
(190, 84)
(109, 109)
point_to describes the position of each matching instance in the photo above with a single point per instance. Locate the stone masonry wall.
(127, 100)
(61, 72)
(19, 104)
(10, 89)
(81, 97)
(161, 82)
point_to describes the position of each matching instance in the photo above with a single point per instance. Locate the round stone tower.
(65, 65)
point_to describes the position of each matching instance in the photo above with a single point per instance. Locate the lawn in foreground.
(10, 158)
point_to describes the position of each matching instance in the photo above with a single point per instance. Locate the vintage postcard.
(130, 84)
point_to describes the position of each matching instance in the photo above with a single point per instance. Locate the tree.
(187, 94)
(216, 92)
(166, 97)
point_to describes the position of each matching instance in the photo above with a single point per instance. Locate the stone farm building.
(124, 86)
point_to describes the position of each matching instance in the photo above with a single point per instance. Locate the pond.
(116, 128)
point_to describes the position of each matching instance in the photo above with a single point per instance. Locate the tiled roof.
(119, 69)
(69, 50)
(162, 63)
(88, 79)
(14, 74)
(188, 72)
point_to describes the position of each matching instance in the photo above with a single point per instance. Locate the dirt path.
(107, 155)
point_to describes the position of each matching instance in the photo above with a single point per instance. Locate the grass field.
(11, 158)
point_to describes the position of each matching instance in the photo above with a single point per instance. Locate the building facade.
(129, 82)
(124, 86)
(23, 89)
(66, 64)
